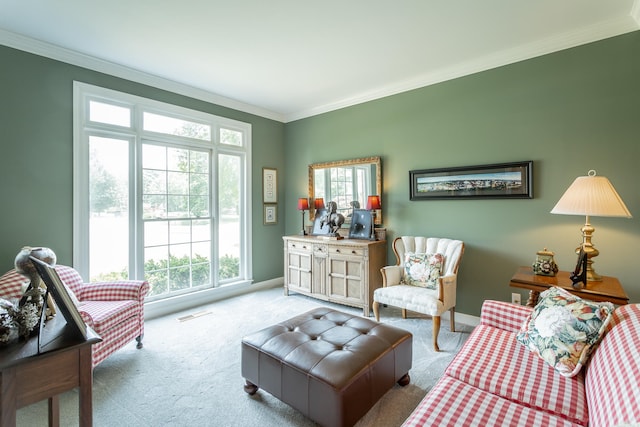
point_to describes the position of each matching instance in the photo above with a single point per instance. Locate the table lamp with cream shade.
(591, 195)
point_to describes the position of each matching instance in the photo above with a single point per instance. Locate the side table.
(609, 289)
(28, 376)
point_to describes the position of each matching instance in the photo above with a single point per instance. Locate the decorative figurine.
(579, 275)
(332, 219)
(545, 264)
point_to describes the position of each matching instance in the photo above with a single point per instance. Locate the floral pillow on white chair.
(422, 269)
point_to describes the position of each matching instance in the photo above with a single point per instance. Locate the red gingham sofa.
(496, 381)
(114, 310)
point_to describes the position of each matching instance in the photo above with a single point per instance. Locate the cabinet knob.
(353, 252)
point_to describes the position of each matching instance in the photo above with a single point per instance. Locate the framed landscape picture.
(496, 181)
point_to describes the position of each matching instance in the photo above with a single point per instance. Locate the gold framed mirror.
(344, 182)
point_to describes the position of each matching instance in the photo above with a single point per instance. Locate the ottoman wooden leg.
(405, 380)
(250, 387)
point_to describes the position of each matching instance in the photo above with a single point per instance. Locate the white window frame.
(83, 128)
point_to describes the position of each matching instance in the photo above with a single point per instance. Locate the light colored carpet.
(188, 373)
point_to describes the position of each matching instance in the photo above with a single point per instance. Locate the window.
(160, 192)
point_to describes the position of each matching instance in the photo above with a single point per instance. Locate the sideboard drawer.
(299, 246)
(346, 250)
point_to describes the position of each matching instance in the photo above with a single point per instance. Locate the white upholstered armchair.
(423, 280)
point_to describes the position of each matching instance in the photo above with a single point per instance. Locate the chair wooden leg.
(376, 310)
(404, 313)
(436, 329)
(452, 319)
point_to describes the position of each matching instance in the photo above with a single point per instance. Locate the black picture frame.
(494, 181)
(61, 297)
(361, 224)
(318, 229)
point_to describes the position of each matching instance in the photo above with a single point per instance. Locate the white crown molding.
(68, 56)
(542, 47)
(635, 11)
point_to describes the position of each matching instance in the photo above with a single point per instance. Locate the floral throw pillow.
(563, 329)
(422, 269)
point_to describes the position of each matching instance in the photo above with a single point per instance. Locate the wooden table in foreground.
(609, 289)
(27, 376)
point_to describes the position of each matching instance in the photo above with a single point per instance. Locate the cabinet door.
(318, 287)
(298, 275)
(345, 279)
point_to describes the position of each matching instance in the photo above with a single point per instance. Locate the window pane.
(172, 126)
(177, 159)
(109, 208)
(230, 230)
(199, 162)
(155, 181)
(156, 233)
(178, 183)
(183, 260)
(154, 157)
(231, 137)
(179, 232)
(201, 232)
(109, 114)
(154, 206)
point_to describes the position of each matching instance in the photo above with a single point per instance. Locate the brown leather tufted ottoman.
(331, 366)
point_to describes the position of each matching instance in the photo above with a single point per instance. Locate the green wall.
(569, 112)
(36, 136)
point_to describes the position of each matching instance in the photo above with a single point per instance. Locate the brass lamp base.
(590, 250)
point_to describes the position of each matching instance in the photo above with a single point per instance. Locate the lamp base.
(303, 232)
(592, 276)
(590, 250)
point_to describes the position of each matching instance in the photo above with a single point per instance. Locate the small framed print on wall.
(269, 185)
(270, 214)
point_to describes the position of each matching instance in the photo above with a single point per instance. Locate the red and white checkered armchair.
(114, 310)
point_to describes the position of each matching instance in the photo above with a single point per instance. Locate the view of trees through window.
(152, 201)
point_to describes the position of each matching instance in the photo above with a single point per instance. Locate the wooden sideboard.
(345, 271)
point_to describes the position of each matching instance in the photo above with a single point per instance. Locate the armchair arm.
(447, 290)
(504, 315)
(114, 291)
(391, 275)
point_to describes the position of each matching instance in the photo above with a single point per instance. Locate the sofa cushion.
(453, 403)
(414, 298)
(563, 329)
(421, 269)
(612, 386)
(492, 360)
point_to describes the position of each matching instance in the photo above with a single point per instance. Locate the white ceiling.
(289, 59)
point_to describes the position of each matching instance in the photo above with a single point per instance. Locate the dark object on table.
(579, 275)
